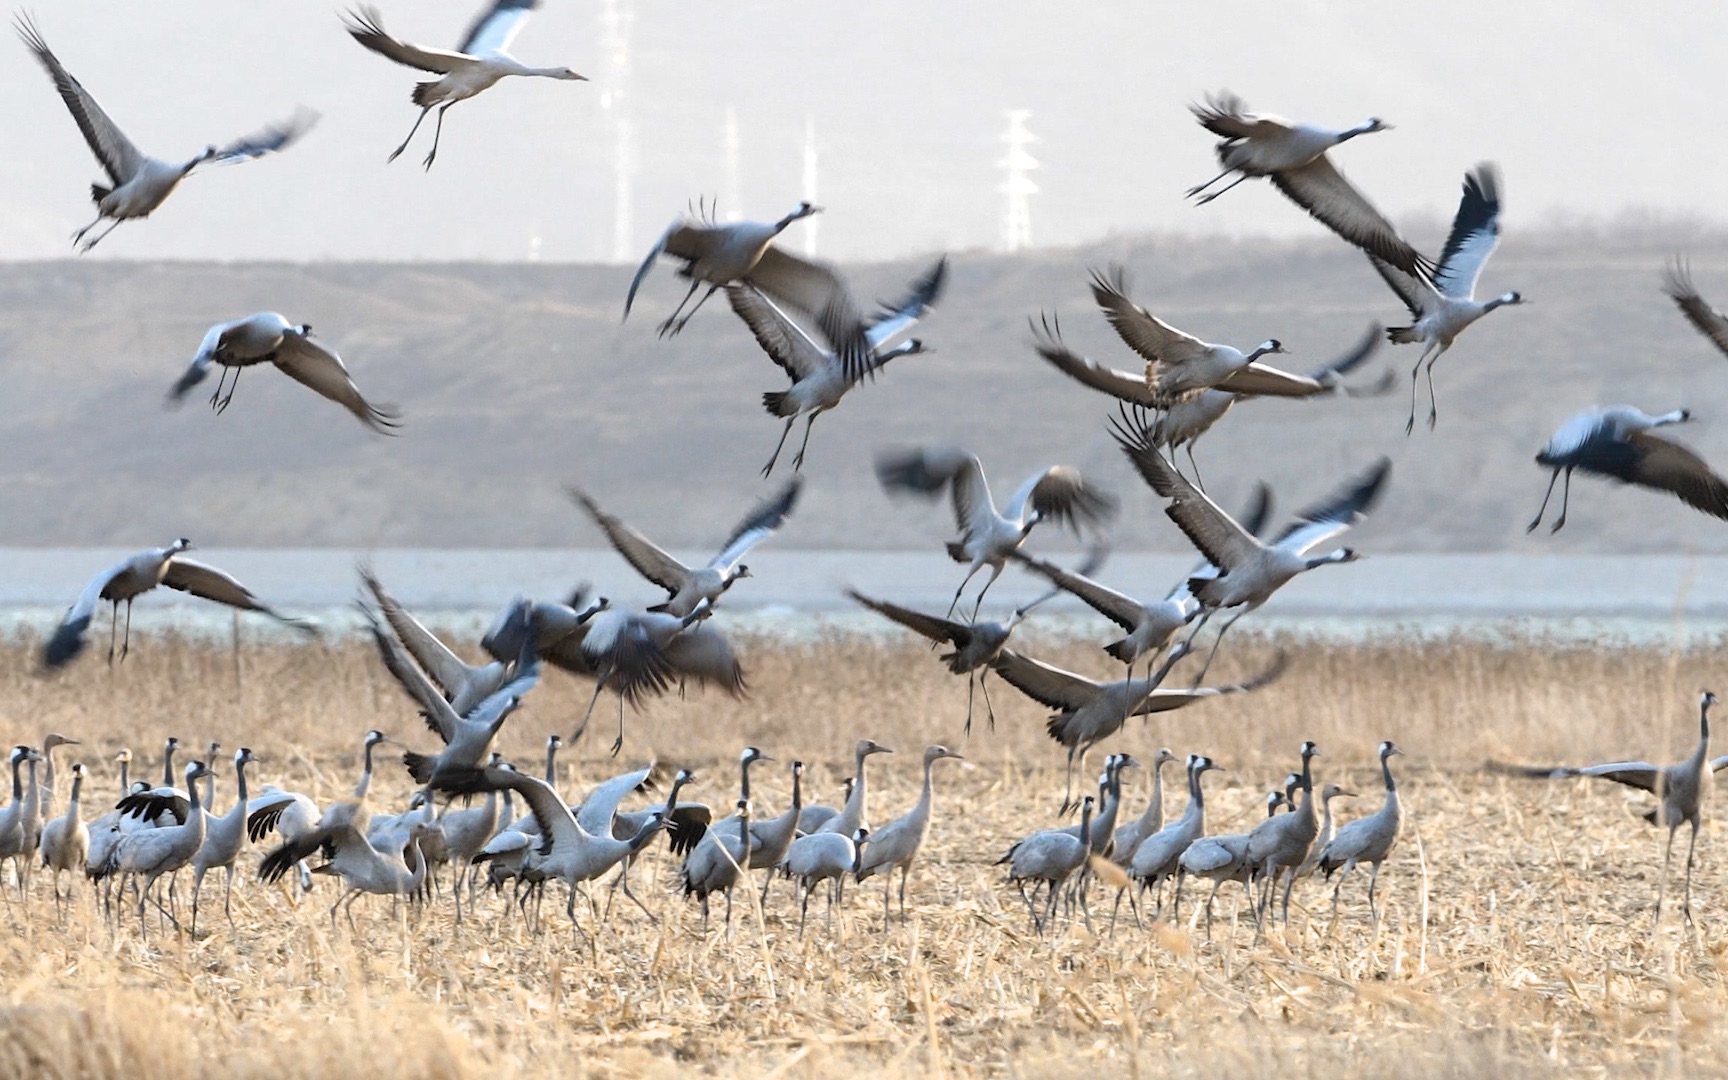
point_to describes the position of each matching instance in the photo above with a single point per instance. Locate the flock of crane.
(805, 318)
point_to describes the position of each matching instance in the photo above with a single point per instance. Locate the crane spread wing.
(1125, 385)
(1677, 283)
(1124, 611)
(758, 525)
(365, 26)
(1061, 493)
(443, 665)
(1264, 380)
(1046, 684)
(1671, 466)
(266, 140)
(893, 319)
(1226, 115)
(497, 26)
(1319, 188)
(818, 292)
(1161, 700)
(1214, 532)
(1338, 512)
(189, 576)
(703, 653)
(119, 158)
(640, 552)
(931, 627)
(309, 363)
(783, 340)
(1475, 234)
(1155, 340)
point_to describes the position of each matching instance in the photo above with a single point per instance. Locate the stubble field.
(1518, 931)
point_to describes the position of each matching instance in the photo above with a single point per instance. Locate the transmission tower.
(616, 17)
(1017, 186)
(810, 155)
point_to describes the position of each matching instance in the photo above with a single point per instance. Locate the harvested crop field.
(1517, 931)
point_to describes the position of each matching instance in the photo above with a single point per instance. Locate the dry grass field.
(1518, 932)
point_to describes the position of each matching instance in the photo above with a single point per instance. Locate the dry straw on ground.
(1518, 932)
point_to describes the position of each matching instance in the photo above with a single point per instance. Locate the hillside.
(518, 379)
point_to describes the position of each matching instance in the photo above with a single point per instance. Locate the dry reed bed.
(1537, 952)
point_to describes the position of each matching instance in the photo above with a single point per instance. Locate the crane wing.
(596, 812)
(446, 668)
(1123, 610)
(1046, 684)
(818, 292)
(1227, 115)
(1155, 340)
(1671, 466)
(761, 523)
(1319, 188)
(495, 28)
(783, 340)
(1677, 283)
(310, 364)
(931, 627)
(1061, 493)
(703, 653)
(1475, 233)
(640, 552)
(1161, 700)
(898, 317)
(1214, 532)
(118, 157)
(67, 641)
(267, 140)
(189, 576)
(1343, 509)
(1264, 380)
(1125, 385)
(365, 26)
(439, 716)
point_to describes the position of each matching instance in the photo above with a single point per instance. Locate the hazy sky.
(1591, 107)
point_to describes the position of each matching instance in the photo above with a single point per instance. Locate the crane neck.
(1086, 826)
(197, 804)
(17, 780)
(416, 877)
(240, 784)
(168, 765)
(365, 771)
(646, 833)
(125, 777)
(32, 794)
(552, 767)
(1386, 772)
(72, 807)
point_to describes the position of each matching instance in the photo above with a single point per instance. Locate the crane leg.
(1199, 481)
(618, 743)
(599, 685)
(396, 153)
(1204, 199)
(197, 890)
(228, 897)
(1565, 503)
(126, 638)
(1193, 191)
(952, 604)
(995, 572)
(781, 445)
(989, 710)
(674, 329)
(1433, 403)
(803, 909)
(1373, 911)
(1553, 478)
(798, 462)
(232, 386)
(437, 133)
(79, 235)
(1686, 897)
(1219, 641)
(906, 872)
(1415, 374)
(221, 380)
(666, 327)
(99, 237)
(113, 630)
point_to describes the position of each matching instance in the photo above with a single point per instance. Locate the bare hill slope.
(517, 379)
